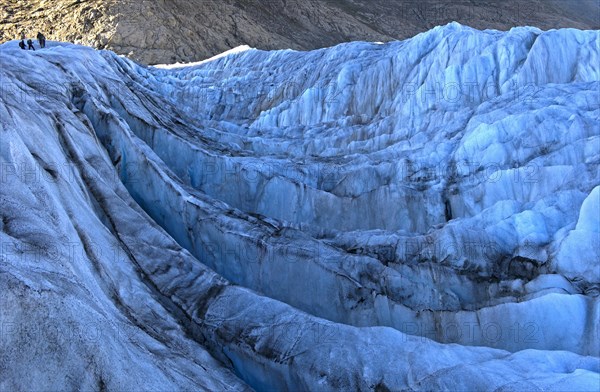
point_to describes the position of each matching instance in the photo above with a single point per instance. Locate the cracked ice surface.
(232, 224)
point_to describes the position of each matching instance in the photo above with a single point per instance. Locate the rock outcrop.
(161, 31)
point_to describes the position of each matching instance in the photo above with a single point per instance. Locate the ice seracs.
(583, 242)
(325, 220)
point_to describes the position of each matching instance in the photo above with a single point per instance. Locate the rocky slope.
(187, 30)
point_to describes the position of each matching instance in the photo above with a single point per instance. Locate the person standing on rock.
(22, 44)
(30, 45)
(23, 35)
(41, 39)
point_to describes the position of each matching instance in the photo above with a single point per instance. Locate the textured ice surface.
(357, 217)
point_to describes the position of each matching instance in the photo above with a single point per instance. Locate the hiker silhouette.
(41, 39)
(22, 44)
(30, 45)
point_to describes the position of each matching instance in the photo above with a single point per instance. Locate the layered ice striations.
(232, 224)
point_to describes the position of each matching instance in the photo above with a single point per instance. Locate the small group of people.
(41, 40)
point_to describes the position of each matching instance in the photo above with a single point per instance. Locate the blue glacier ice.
(420, 215)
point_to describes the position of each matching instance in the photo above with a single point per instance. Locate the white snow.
(351, 218)
(238, 49)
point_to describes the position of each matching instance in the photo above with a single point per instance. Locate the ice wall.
(444, 186)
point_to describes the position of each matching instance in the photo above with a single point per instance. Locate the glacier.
(421, 215)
